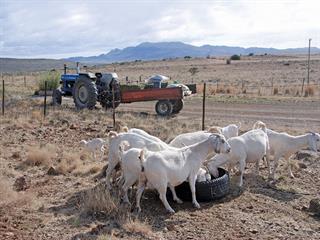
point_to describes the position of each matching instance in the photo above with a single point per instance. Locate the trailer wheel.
(84, 93)
(164, 108)
(56, 97)
(177, 105)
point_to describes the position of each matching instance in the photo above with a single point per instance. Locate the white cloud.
(33, 28)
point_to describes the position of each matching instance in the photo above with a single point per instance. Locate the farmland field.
(51, 188)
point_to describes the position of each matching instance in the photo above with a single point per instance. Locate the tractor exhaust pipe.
(78, 68)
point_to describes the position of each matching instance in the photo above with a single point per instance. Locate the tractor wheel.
(164, 108)
(177, 105)
(84, 93)
(57, 97)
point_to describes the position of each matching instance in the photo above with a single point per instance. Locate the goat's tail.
(215, 129)
(125, 129)
(141, 158)
(260, 125)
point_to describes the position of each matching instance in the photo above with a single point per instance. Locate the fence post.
(140, 78)
(271, 86)
(24, 80)
(113, 107)
(302, 87)
(45, 100)
(2, 95)
(242, 86)
(127, 80)
(203, 105)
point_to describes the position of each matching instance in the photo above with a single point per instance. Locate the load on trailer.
(87, 89)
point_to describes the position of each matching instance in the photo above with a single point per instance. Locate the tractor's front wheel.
(164, 108)
(84, 93)
(57, 97)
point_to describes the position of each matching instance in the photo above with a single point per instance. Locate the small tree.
(52, 78)
(187, 57)
(193, 71)
(235, 57)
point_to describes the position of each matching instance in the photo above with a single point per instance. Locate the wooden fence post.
(24, 80)
(113, 107)
(2, 95)
(203, 105)
(45, 100)
(302, 87)
(271, 86)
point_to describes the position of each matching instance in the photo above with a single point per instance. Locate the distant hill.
(28, 65)
(161, 50)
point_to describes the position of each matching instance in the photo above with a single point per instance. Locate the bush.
(250, 54)
(228, 61)
(309, 91)
(52, 78)
(235, 57)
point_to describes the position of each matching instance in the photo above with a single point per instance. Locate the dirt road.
(290, 114)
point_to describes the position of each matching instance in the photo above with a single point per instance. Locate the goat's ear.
(313, 133)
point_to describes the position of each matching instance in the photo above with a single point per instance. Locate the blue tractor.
(87, 89)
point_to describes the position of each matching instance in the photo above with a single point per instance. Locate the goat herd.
(194, 156)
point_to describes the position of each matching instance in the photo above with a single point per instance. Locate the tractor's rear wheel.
(177, 105)
(164, 108)
(84, 93)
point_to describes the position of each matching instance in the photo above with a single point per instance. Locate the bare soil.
(50, 207)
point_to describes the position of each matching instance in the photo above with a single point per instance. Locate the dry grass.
(69, 163)
(99, 199)
(309, 91)
(37, 156)
(140, 228)
(9, 197)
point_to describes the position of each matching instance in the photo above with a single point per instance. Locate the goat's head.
(314, 141)
(220, 143)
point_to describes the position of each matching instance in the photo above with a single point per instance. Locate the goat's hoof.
(171, 211)
(179, 201)
(196, 205)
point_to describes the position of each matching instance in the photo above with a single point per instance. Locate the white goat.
(94, 145)
(171, 167)
(131, 168)
(142, 133)
(187, 139)
(232, 130)
(247, 148)
(135, 141)
(285, 145)
(203, 175)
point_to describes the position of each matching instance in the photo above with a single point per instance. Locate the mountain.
(161, 50)
(29, 65)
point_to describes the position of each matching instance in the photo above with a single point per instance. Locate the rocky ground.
(51, 189)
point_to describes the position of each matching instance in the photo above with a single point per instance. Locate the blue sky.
(65, 28)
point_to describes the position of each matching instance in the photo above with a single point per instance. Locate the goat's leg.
(275, 165)
(162, 190)
(257, 167)
(129, 181)
(289, 167)
(192, 183)
(111, 165)
(242, 165)
(174, 194)
(140, 190)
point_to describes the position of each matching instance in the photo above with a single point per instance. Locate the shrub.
(228, 61)
(250, 54)
(309, 91)
(187, 57)
(275, 91)
(235, 57)
(52, 78)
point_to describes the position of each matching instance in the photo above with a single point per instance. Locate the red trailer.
(170, 100)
